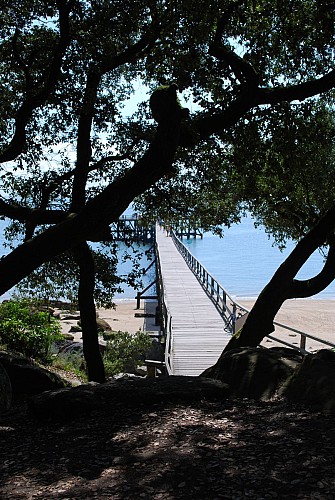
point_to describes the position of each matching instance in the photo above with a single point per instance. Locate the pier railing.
(303, 338)
(166, 319)
(233, 313)
(133, 228)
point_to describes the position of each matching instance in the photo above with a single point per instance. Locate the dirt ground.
(203, 450)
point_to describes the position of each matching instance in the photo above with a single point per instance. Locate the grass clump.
(71, 364)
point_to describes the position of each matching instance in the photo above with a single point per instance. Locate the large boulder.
(27, 377)
(102, 325)
(5, 390)
(313, 382)
(133, 391)
(255, 372)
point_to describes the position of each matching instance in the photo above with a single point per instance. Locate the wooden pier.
(198, 316)
(195, 335)
(133, 228)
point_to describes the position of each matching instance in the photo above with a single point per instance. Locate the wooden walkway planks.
(198, 335)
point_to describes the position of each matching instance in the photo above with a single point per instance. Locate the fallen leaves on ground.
(203, 450)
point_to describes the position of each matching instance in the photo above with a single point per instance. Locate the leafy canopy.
(70, 70)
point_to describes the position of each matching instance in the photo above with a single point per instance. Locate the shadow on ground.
(201, 450)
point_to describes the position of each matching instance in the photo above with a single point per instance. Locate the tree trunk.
(94, 363)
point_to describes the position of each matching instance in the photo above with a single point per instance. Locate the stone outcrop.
(103, 326)
(313, 382)
(5, 390)
(27, 377)
(255, 372)
(70, 403)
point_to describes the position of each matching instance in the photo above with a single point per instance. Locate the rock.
(70, 403)
(103, 326)
(68, 336)
(77, 349)
(72, 349)
(75, 329)
(255, 372)
(313, 382)
(5, 390)
(69, 316)
(144, 315)
(27, 377)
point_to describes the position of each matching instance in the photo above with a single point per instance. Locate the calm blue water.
(123, 268)
(243, 261)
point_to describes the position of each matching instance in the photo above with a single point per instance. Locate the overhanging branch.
(297, 92)
(312, 286)
(104, 208)
(36, 216)
(217, 122)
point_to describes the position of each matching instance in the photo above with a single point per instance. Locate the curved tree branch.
(33, 101)
(210, 124)
(207, 125)
(244, 71)
(135, 51)
(36, 216)
(21, 63)
(283, 285)
(97, 213)
(94, 76)
(307, 288)
(297, 92)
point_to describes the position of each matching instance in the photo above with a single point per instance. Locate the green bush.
(124, 351)
(26, 330)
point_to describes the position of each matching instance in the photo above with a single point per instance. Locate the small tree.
(283, 286)
(125, 351)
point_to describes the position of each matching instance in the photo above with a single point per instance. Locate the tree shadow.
(223, 449)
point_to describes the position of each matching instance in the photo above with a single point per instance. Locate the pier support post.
(138, 300)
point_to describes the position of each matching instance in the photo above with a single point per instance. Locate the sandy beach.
(126, 318)
(315, 317)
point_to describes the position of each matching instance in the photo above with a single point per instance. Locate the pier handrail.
(303, 337)
(166, 314)
(219, 296)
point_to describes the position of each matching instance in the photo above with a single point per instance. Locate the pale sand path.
(310, 316)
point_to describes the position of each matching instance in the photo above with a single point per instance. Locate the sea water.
(123, 268)
(243, 261)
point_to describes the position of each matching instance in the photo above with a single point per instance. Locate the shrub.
(125, 351)
(26, 330)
